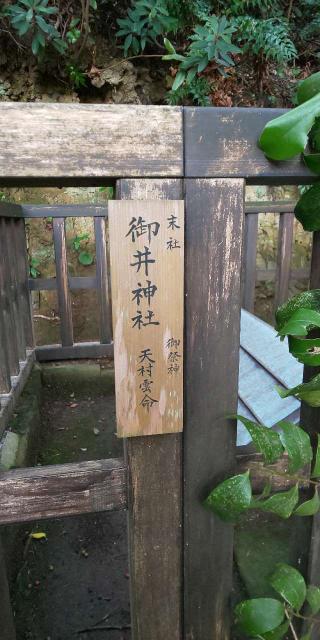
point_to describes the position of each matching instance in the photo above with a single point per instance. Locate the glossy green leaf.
(287, 136)
(304, 300)
(265, 440)
(259, 615)
(169, 47)
(310, 507)
(316, 468)
(304, 350)
(307, 209)
(309, 392)
(313, 598)
(276, 634)
(282, 503)
(179, 79)
(297, 444)
(231, 497)
(300, 322)
(312, 161)
(308, 88)
(290, 584)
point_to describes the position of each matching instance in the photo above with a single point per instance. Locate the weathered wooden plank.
(222, 142)
(102, 278)
(13, 326)
(285, 240)
(9, 401)
(7, 620)
(15, 275)
(249, 261)
(8, 336)
(155, 500)
(65, 309)
(75, 283)
(64, 211)
(22, 270)
(146, 256)
(214, 221)
(280, 206)
(89, 140)
(10, 210)
(76, 351)
(62, 490)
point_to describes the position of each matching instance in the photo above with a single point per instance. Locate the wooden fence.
(181, 556)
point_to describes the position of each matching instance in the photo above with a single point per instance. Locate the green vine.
(296, 132)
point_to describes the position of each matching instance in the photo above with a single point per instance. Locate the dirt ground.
(74, 583)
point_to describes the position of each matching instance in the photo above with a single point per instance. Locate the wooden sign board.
(147, 269)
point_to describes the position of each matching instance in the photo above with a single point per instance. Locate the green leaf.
(313, 598)
(231, 497)
(179, 79)
(170, 48)
(304, 300)
(290, 584)
(265, 440)
(304, 350)
(307, 209)
(300, 322)
(308, 88)
(309, 392)
(85, 258)
(278, 633)
(310, 507)
(259, 615)
(297, 444)
(282, 503)
(312, 161)
(287, 136)
(316, 469)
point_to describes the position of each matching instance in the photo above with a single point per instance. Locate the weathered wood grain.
(214, 221)
(102, 278)
(155, 500)
(249, 266)
(285, 240)
(64, 300)
(222, 142)
(8, 401)
(62, 490)
(22, 269)
(64, 211)
(148, 329)
(78, 350)
(40, 140)
(9, 210)
(6, 615)
(280, 206)
(10, 312)
(74, 282)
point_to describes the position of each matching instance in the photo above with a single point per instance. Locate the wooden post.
(19, 237)
(249, 266)
(6, 616)
(285, 239)
(8, 315)
(103, 280)
(65, 310)
(154, 511)
(214, 220)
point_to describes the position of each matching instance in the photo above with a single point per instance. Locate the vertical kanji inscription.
(147, 267)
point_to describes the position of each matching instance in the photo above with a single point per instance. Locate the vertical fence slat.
(214, 220)
(285, 239)
(6, 616)
(64, 299)
(103, 280)
(155, 501)
(23, 276)
(15, 292)
(8, 309)
(249, 261)
(5, 379)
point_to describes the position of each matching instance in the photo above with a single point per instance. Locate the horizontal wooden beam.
(89, 141)
(64, 211)
(270, 207)
(8, 401)
(9, 210)
(223, 143)
(75, 283)
(77, 350)
(62, 490)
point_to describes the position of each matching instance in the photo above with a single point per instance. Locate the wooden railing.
(63, 283)
(16, 331)
(281, 275)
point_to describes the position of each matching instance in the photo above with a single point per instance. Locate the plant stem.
(282, 474)
(292, 629)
